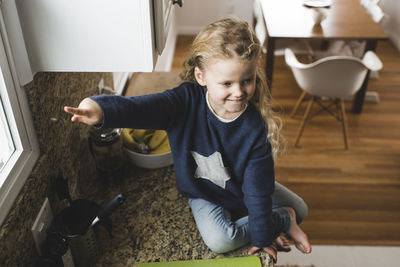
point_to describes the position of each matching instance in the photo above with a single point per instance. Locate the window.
(6, 142)
(18, 145)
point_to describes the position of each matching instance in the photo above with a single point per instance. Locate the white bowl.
(317, 3)
(150, 161)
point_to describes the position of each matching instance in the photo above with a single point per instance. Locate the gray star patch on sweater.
(211, 168)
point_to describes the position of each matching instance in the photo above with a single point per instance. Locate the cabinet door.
(162, 22)
(90, 35)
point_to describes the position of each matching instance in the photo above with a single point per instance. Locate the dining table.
(345, 20)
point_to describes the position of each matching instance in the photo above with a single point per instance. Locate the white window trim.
(21, 163)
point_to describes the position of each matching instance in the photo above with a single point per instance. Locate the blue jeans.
(221, 234)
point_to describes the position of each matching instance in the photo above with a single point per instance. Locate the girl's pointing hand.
(88, 112)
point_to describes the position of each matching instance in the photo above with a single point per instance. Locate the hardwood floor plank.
(376, 216)
(352, 233)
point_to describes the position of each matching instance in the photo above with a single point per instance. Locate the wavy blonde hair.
(225, 39)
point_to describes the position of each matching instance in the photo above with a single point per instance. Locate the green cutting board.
(250, 261)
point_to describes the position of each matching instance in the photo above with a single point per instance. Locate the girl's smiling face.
(230, 83)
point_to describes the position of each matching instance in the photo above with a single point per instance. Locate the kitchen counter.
(155, 223)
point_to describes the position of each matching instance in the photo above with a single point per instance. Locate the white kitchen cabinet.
(89, 35)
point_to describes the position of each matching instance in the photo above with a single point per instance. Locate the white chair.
(332, 77)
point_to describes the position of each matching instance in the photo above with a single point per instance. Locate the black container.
(84, 225)
(74, 224)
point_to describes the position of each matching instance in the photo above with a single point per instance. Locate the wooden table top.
(346, 19)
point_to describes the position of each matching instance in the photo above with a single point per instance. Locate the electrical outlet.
(42, 224)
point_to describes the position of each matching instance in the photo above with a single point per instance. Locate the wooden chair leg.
(344, 124)
(303, 122)
(296, 106)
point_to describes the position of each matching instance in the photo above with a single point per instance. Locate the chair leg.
(298, 102)
(303, 122)
(344, 124)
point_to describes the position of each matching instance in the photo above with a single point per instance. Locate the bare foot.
(299, 237)
(282, 243)
(271, 250)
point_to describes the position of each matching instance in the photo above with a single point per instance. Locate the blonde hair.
(227, 38)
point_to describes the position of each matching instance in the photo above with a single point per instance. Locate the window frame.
(15, 104)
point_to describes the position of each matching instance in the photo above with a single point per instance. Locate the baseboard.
(370, 97)
(189, 30)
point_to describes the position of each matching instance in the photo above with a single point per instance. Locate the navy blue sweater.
(228, 163)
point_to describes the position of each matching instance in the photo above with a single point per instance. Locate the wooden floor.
(353, 196)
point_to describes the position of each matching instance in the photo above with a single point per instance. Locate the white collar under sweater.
(220, 118)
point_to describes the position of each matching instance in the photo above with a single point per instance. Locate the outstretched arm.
(88, 112)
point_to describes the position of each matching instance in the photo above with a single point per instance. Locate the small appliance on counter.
(80, 230)
(106, 148)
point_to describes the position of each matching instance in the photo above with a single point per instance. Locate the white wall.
(391, 21)
(195, 14)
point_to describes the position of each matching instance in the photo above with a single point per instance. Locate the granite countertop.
(155, 223)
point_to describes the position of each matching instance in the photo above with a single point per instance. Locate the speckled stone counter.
(155, 223)
(63, 149)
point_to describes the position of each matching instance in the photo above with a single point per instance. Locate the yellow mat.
(250, 261)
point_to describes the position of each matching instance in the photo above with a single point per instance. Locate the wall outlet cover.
(42, 224)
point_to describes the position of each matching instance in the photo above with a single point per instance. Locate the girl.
(223, 135)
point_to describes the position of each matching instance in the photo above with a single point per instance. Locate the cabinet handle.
(179, 2)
